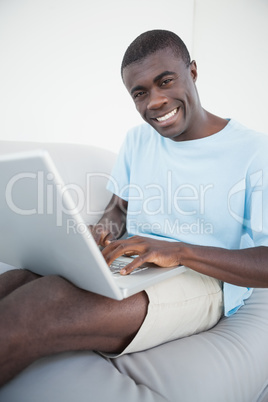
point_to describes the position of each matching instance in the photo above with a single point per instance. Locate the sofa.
(228, 363)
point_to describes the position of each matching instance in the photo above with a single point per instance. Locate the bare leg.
(11, 280)
(50, 315)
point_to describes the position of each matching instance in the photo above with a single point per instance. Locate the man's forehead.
(151, 66)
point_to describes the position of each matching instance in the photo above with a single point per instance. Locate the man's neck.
(206, 124)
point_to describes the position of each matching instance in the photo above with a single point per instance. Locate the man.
(189, 188)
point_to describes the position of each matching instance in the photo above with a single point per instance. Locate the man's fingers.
(119, 248)
(136, 263)
(107, 239)
(101, 235)
(111, 248)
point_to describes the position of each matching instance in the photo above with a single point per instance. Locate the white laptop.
(42, 230)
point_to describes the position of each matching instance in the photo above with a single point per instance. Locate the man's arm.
(112, 224)
(247, 267)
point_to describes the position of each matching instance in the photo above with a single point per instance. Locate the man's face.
(164, 92)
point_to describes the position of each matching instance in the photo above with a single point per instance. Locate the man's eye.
(167, 81)
(138, 94)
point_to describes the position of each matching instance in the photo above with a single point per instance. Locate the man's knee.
(14, 279)
(33, 310)
(31, 301)
(19, 275)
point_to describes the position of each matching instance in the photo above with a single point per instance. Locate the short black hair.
(152, 41)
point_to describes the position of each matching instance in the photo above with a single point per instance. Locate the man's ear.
(193, 68)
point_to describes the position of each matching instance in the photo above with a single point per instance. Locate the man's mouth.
(167, 116)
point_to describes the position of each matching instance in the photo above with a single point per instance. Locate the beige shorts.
(184, 305)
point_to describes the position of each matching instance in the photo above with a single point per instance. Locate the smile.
(167, 116)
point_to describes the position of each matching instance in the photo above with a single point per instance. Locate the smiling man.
(163, 89)
(190, 189)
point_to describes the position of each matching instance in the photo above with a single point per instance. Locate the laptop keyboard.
(117, 265)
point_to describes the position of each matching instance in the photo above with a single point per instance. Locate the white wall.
(60, 65)
(60, 62)
(230, 46)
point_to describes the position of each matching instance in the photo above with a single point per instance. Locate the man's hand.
(101, 234)
(160, 252)
(245, 267)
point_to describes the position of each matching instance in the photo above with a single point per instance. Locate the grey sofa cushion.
(227, 363)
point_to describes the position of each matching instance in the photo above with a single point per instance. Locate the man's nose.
(156, 100)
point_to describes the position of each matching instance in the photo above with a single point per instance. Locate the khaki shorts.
(181, 306)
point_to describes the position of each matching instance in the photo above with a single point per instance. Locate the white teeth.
(167, 116)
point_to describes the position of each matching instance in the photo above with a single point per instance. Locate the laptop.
(41, 229)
